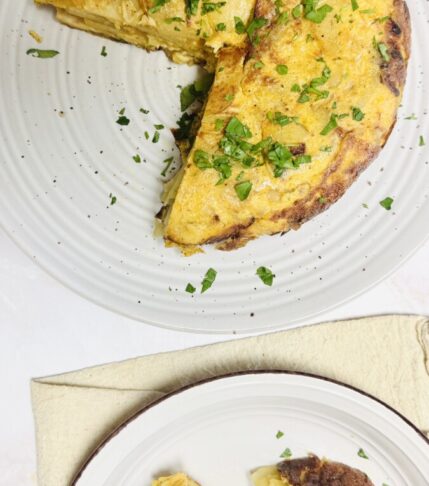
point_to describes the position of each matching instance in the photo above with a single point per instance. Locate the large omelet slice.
(291, 120)
(304, 97)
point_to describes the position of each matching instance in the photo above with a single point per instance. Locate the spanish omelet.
(304, 97)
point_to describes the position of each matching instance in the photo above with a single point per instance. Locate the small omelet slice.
(268, 476)
(179, 479)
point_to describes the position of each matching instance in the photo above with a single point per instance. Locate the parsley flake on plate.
(421, 141)
(137, 159)
(167, 163)
(208, 280)
(103, 51)
(190, 289)
(266, 275)
(42, 53)
(387, 203)
(361, 453)
(279, 434)
(286, 454)
(123, 121)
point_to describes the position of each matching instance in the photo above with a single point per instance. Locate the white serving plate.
(219, 431)
(62, 154)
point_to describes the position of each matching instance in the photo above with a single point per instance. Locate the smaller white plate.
(219, 431)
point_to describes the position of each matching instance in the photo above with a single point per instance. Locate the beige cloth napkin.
(386, 356)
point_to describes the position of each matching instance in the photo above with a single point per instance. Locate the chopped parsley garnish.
(314, 14)
(258, 65)
(243, 189)
(103, 51)
(42, 53)
(137, 159)
(357, 114)
(236, 149)
(254, 26)
(286, 454)
(155, 138)
(185, 126)
(208, 280)
(113, 199)
(223, 166)
(195, 91)
(297, 11)
(312, 88)
(384, 51)
(219, 124)
(237, 129)
(157, 4)
(355, 5)
(279, 434)
(192, 7)
(283, 18)
(142, 110)
(240, 28)
(146, 135)
(381, 20)
(282, 158)
(326, 148)
(331, 125)
(281, 119)
(361, 453)
(190, 289)
(123, 121)
(421, 141)
(167, 163)
(411, 117)
(173, 19)
(387, 203)
(229, 97)
(221, 27)
(159, 127)
(267, 276)
(211, 7)
(122, 111)
(202, 160)
(282, 69)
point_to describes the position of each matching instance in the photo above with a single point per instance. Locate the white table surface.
(47, 329)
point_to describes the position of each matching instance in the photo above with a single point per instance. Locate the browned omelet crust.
(354, 152)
